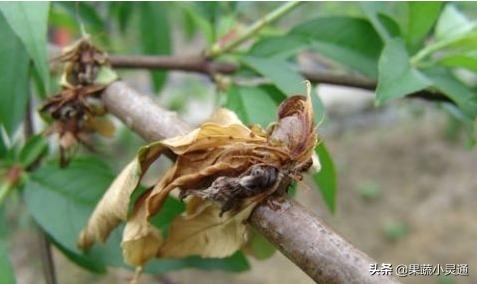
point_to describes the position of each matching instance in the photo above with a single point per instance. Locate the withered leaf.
(141, 240)
(112, 208)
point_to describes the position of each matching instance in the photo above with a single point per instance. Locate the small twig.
(201, 65)
(46, 258)
(217, 49)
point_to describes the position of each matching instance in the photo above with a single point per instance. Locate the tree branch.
(199, 64)
(301, 236)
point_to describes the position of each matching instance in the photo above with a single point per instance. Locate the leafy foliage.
(155, 35)
(6, 272)
(14, 80)
(29, 21)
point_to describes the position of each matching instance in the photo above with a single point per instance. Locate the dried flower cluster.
(223, 170)
(77, 110)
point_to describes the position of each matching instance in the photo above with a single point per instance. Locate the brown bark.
(202, 65)
(296, 232)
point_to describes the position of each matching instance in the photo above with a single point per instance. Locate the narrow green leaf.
(7, 275)
(457, 91)
(33, 149)
(122, 10)
(13, 79)
(396, 76)
(88, 15)
(418, 25)
(278, 46)
(155, 35)
(206, 26)
(29, 21)
(379, 15)
(452, 23)
(325, 179)
(279, 72)
(318, 108)
(349, 41)
(460, 60)
(252, 105)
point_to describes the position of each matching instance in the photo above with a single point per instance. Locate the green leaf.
(461, 60)
(397, 77)
(106, 76)
(463, 120)
(278, 46)
(89, 263)
(3, 223)
(452, 23)
(171, 208)
(260, 247)
(29, 21)
(154, 35)
(60, 17)
(13, 79)
(325, 179)
(61, 201)
(457, 91)
(235, 263)
(350, 41)
(279, 72)
(33, 149)
(418, 25)
(206, 26)
(3, 146)
(252, 105)
(88, 15)
(379, 14)
(6, 270)
(123, 10)
(318, 108)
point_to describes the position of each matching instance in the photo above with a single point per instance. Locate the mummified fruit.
(229, 192)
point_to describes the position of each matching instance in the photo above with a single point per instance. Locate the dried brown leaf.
(141, 240)
(113, 207)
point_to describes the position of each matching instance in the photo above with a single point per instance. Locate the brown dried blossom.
(77, 110)
(223, 170)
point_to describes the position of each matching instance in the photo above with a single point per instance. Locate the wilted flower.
(223, 169)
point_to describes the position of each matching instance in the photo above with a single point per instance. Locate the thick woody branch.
(301, 236)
